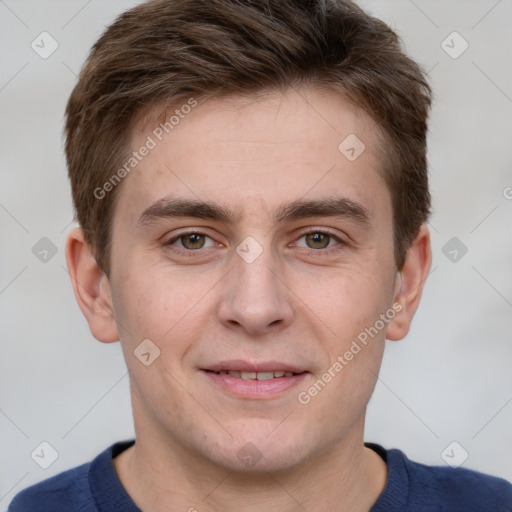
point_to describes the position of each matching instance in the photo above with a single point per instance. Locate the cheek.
(163, 308)
(347, 300)
(342, 388)
(350, 304)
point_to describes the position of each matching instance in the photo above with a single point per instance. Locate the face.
(253, 252)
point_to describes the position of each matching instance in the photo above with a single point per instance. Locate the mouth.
(254, 381)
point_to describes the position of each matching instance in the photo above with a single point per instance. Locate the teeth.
(255, 375)
(265, 375)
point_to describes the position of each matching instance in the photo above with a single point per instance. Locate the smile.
(255, 383)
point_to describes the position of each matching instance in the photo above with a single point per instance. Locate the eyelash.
(193, 253)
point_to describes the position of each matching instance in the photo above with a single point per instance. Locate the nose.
(256, 297)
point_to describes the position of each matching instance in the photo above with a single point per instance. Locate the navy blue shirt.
(410, 487)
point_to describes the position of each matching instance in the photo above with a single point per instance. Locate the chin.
(250, 460)
(277, 452)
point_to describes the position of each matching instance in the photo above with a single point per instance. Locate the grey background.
(450, 380)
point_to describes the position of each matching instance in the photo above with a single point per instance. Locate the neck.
(346, 477)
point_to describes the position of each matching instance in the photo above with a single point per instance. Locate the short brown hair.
(164, 51)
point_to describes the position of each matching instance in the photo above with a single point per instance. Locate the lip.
(254, 389)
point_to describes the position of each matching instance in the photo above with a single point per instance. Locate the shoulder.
(66, 491)
(453, 489)
(467, 489)
(86, 488)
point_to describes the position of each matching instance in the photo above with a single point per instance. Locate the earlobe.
(91, 287)
(409, 284)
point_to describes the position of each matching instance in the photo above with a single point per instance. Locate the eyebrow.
(341, 207)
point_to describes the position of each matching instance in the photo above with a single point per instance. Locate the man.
(250, 179)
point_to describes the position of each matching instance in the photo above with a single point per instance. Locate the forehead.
(255, 152)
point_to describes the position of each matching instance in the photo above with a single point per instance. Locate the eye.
(190, 241)
(317, 240)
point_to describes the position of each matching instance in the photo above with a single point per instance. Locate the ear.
(91, 287)
(410, 283)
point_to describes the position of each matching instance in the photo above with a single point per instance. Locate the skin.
(295, 303)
